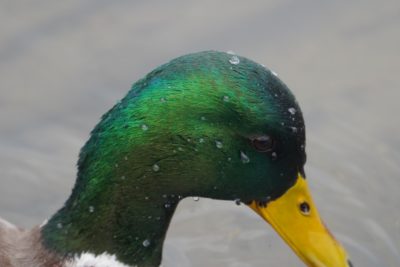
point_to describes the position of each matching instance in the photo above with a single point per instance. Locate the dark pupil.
(305, 208)
(263, 143)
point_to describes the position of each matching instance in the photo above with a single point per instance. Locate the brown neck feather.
(23, 248)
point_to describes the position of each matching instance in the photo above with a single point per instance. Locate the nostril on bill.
(349, 263)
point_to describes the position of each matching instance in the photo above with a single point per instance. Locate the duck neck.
(122, 217)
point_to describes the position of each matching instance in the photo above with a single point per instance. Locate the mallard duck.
(209, 124)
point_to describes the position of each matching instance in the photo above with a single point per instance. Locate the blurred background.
(64, 63)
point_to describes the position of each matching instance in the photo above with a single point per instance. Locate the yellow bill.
(296, 219)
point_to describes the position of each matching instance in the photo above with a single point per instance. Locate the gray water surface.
(64, 63)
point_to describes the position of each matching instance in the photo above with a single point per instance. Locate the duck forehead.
(251, 92)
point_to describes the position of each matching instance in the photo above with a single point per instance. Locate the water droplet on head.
(229, 159)
(146, 243)
(196, 198)
(292, 111)
(274, 155)
(156, 168)
(218, 144)
(91, 209)
(294, 129)
(59, 225)
(225, 98)
(234, 60)
(145, 127)
(167, 205)
(244, 158)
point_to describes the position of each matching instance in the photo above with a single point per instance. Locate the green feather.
(183, 130)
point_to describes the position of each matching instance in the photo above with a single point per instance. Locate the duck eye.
(305, 208)
(263, 143)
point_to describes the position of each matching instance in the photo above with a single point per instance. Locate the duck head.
(211, 125)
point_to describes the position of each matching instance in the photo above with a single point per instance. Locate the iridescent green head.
(209, 124)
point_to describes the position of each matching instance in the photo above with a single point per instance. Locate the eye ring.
(305, 208)
(263, 143)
